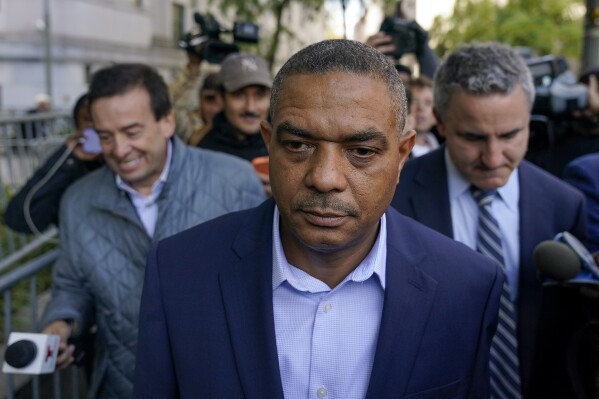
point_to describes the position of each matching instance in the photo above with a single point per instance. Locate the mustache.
(325, 202)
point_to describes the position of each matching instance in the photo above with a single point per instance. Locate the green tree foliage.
(253, 10)
(545, 26)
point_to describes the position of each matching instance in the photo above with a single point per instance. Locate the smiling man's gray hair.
(344, 56)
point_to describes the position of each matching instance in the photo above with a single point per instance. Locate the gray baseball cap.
(239, 70)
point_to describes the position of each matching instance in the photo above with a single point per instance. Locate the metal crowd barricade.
(25, 142)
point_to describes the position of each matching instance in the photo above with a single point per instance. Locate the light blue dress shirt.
(146, 205)
(326, 338)
(464, 217)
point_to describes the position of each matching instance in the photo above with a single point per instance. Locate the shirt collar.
(157, 186)
(458, 185)
(374, 263)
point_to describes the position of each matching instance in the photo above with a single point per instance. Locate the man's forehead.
(326, 85)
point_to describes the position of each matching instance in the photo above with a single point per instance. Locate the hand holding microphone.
(65, 350)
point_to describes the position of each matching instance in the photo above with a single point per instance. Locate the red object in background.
(261, 164)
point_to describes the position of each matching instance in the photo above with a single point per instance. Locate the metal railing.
(25, 142)
(34, 385)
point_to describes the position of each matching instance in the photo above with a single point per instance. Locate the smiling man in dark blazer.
(324, 291)
(483, 95)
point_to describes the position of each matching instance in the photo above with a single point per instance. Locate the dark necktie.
(504, 363)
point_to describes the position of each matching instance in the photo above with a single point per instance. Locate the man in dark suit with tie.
(323, 291)
(478, 190)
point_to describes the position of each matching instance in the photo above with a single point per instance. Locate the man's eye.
(509, 136)
(362, 152)
(294, 145)
(473, 137)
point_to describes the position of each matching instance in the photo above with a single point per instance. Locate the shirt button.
(328, 307)
(321, 392)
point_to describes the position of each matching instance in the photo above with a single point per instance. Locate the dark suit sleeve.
(585, 179)
(480, 375)
(45, 202)
(154, 371)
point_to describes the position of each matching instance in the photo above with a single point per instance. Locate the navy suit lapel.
(247, 296)
(409, 297)
(430, 198)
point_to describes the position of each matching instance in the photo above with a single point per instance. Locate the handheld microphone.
(29, 353)
(556, 260)
(565, 259)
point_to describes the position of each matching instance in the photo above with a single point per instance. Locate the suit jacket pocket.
(447, 391)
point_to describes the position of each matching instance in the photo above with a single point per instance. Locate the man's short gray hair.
(344, 56)
(481, 69)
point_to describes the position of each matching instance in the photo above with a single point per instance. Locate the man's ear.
(440, 125)
(168, 124)
(266, 132)
(406, 143)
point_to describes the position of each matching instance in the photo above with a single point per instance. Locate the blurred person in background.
(211, 102)
(45, 188)
(196, 76)
(478, 190)
(583, 173)
(37, 129)
(571, 133)
(421, 107)
(399, 36)
(152, 186)
(245, 83)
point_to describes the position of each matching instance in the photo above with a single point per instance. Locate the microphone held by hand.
(29, 353)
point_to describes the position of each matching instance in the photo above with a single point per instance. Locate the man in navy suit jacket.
(583, 173)
(324, 291)
(483, 96)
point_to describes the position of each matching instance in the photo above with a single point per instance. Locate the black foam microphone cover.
(556, 260)
(20, 354)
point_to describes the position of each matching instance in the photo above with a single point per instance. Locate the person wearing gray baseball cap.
(245, 83)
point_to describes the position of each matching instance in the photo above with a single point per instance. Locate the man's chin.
(490, 183)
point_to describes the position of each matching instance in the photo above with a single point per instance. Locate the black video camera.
(407, 36)
(557, 93)
(214, 50)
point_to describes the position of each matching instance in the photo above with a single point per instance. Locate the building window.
(178, 19)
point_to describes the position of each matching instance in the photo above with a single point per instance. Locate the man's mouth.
(250, 117)
(324, 218)
(125, 165)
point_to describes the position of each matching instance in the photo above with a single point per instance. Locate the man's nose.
(326, 170)
(250, 103)
(121, 146)
(492, 155)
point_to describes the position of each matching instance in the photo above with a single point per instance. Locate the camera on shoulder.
(407, 36)
(207, 44)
